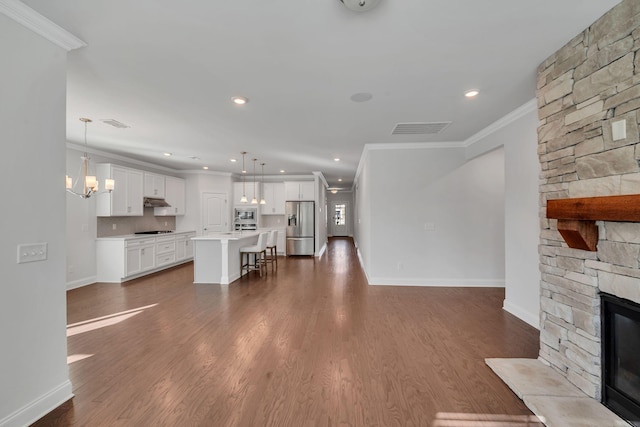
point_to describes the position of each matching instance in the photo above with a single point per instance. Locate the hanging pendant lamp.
(254, 201)
(262, 200)
(243, 199)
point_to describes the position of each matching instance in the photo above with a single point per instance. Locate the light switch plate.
(619, 130)
(31, 252)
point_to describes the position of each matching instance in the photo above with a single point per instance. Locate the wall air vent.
(114, 123)
(419, 128)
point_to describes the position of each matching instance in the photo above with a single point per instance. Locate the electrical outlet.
(166, 223)
(31, 252)
(113, 226)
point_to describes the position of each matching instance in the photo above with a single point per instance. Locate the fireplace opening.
(621, 357)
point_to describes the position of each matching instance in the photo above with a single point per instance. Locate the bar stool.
(272, 250)
(259, 251)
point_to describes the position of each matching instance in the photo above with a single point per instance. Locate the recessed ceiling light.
(471, 93)
(334, 190)
(205, 167)
(167, 154)
(281, 170)
(233, 160)
(339, 179)
(239, 100)
(337, 159)
(361, 97)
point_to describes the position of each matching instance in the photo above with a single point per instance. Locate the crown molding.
(26, 16)
(504, 121)
(321, 177)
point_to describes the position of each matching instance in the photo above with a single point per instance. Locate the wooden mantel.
(577, 217)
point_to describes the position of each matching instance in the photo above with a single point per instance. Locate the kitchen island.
(216, 257)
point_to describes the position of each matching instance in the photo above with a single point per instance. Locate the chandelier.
(90, 183)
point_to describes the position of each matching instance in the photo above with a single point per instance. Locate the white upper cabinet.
(174, 189)
(126, 197)
(154, 185)
(300, 190)
(247, 189)
(274, 197)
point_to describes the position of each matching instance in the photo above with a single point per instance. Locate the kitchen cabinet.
(184, 246)
(238, 191)
(140, 255)
(300, 190)
(121, 258)
(274, 196)
(153, 185)
(174, 194)
(126, 197)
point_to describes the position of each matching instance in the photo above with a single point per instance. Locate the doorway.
(339, 218)
(215, 215)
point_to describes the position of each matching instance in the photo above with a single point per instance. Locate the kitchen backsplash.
(132, 224)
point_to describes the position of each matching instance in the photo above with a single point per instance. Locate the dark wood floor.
(311, 345)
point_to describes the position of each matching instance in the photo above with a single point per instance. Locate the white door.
(214, 213)
(339, 218)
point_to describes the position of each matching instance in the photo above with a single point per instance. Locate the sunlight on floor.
(77, 357)
(101, 322)
(450, 419)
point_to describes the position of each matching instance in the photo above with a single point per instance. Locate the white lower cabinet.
(126, 257)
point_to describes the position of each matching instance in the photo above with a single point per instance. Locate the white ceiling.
(168, 69)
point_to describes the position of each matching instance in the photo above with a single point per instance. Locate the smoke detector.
(360, 5)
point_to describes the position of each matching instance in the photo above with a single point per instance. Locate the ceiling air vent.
(419, 128)
(114, 123)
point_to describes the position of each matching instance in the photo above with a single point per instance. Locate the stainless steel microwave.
(245, 215)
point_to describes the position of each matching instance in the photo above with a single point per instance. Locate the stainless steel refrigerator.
(300, 228)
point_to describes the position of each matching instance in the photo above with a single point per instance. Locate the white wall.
(413, 188)
(34, 375)
(518, 135)
(321, 217)
(362, 212)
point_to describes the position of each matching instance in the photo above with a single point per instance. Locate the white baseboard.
(454, 283)
(40, 407)
(521, 314)
(322, 249)
(81, 282)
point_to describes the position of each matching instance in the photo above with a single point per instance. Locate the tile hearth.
(556, 401)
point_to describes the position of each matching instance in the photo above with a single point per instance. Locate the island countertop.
(228, 235)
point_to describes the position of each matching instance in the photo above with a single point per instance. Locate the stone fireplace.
(588, 145)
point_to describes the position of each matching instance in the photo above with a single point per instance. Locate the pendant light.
(262, 200)
(90, 183)
(243, 199)
(254, 201)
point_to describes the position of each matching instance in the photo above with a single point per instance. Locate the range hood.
(150, 202)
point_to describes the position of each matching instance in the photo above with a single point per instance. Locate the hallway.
(309, 345)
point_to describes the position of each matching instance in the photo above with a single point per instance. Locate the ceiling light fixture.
(167, 154)
(254, 201)
(262, 200)
(243, 199)
(334, 190)
(205, 167)
(90, 183)
(282, 171)
(337, 159)
(339, 179)
(233, 160)
(239, 100)
(471, 93)
(360, 5)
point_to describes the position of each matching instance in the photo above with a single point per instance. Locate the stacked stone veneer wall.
(591, 82)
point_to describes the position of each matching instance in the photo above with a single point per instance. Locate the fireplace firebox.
(621, 357)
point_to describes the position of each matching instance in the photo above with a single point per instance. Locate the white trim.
(31, 19)
(91, 150)
(502, 122)
(454, 283)
(40, 407)
(322, 249)
(81, 282)
(521, 313)
(364, 270)
(322, 178)
(415, 145)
